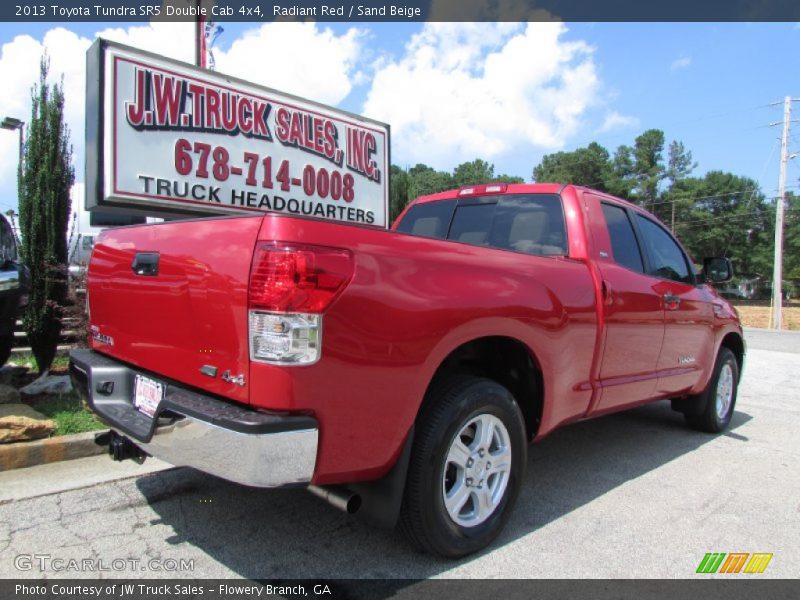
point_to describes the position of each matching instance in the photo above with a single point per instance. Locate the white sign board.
(167, 137)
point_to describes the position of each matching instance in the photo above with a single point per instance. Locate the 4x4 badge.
(238, 379)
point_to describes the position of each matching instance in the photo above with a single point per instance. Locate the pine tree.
(44, 206)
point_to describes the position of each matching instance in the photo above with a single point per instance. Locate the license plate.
(147, 395)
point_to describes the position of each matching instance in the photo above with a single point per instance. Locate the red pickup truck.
(401, 373)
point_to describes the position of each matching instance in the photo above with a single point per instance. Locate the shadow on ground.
(292, 534)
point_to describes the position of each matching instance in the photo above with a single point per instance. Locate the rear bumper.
(194, 430)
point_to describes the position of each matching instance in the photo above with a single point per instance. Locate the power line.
(736, 215)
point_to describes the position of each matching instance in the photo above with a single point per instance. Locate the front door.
(688, 311)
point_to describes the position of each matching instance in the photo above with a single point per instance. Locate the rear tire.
(467, 463)
(711, 411)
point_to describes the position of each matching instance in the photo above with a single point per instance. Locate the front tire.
(711, 411)
(467, 464)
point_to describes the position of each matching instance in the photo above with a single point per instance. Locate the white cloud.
(298, 58)
(681, 63)
(463, 90)
(175, 40)
(615, 120)
(319, 67)
(19, 70)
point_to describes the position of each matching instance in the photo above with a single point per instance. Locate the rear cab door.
(632, 307)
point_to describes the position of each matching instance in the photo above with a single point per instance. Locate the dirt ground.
(757, 314)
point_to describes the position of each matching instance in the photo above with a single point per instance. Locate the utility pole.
(200, 37)
(777, 274)
(672, 226)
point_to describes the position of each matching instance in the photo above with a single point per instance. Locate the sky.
(508, 93)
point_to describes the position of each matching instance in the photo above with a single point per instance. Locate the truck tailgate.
(187, 312)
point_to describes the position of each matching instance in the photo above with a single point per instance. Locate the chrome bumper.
(195, 430)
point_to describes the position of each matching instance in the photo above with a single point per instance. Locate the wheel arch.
(506, 360)
(734, 342)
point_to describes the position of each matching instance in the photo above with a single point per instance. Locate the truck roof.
(510, 188)
(517, 188)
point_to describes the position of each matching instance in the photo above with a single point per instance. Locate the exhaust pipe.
(341, 498)
(119, 447)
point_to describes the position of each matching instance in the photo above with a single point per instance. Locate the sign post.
(166, 138)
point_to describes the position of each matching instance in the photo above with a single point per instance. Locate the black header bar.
(402, 11)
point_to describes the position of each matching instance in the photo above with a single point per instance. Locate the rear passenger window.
(623, 240)
(430, 219)
(472, 224)
(530, 224)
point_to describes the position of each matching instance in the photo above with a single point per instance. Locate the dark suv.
(14, 288)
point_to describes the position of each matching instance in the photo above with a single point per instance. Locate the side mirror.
(717, 269)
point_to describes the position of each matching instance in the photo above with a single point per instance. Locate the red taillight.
(298, 278)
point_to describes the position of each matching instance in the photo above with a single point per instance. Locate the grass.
(60, 362)
(69, 413)
(67, 410)
(757, 314)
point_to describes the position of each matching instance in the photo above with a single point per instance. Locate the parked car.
(14, 288)
(743, 287)
(402, 373)
(787, 290)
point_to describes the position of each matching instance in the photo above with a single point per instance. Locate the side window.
(430, 219)
(472, 224)
(667, 257)
(530, 224)
(623, 240)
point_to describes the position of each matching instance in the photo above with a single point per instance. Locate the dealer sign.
(167, 138)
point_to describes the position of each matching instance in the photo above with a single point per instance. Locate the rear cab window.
(527, 223)
(623, 239)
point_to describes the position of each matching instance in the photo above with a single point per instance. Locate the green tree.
(679, 166)
(473, 173)
(424, 180)
(791, 238)
(588, 166)
(399, 192)
(722, 214)
(479, 171)
(507, 179)
(621, 181)
(648, 165)
(679, 163)
(44, 206)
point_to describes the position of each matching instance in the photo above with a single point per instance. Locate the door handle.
(671, 301)
(145, 263)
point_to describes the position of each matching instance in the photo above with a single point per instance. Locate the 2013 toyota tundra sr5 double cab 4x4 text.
(401, 373)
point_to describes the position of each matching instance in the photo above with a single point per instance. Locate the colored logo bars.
(736, 562)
